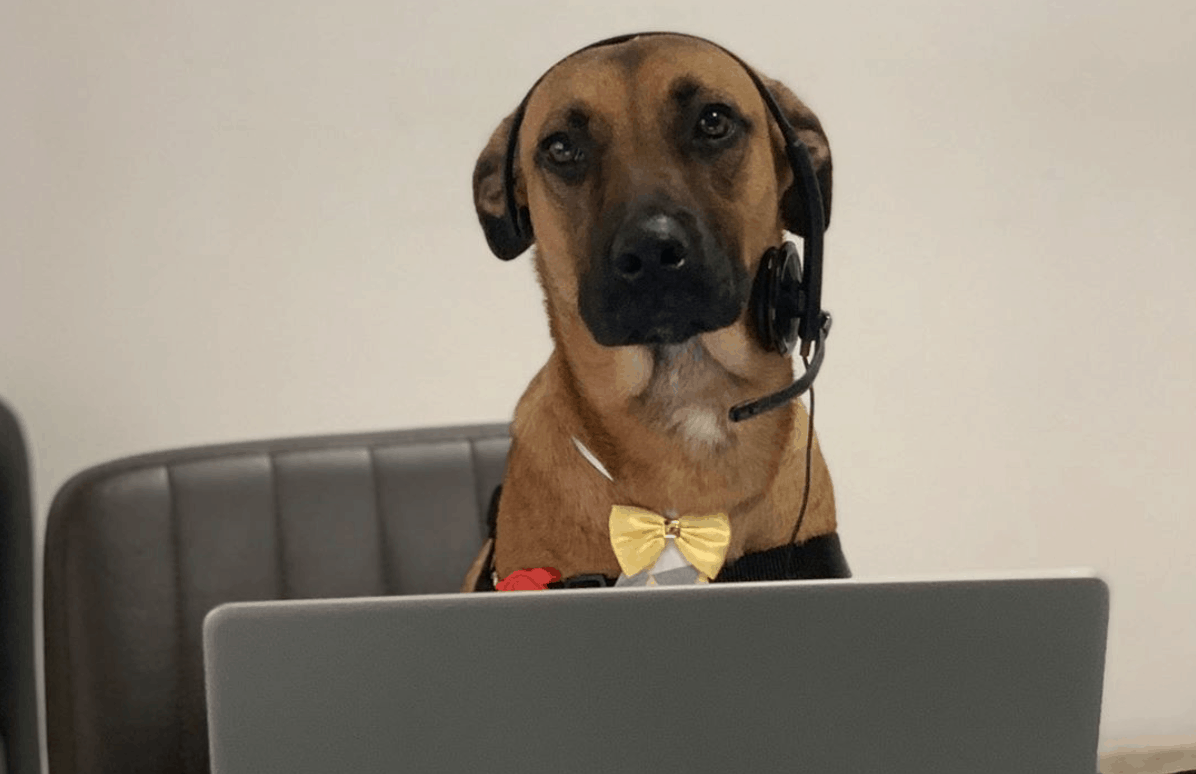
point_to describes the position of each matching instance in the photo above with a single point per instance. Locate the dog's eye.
(715, 123)
(561, 150)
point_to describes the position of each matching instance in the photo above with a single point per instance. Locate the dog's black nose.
(657, 244)
(661, 279)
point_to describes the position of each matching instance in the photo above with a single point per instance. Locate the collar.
(593, 460)
(590, 458)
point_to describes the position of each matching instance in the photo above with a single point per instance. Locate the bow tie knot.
(640, 536)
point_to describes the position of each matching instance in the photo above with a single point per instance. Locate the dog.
(651, 180)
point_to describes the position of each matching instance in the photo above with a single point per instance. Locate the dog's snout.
(662, 278)
(656, 244)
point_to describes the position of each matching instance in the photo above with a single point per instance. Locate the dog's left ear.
(490, 197)
(809, 131)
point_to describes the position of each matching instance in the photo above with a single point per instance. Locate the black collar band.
(818, 558)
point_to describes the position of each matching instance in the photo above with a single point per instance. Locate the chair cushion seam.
(180, 608)
(279, 547)
(388, 581)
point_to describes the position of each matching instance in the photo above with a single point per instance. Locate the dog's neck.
(591, 458)
(650, 449)
(658, 417)
(677, 393)
(685, 396)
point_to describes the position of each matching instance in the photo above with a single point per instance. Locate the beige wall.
(224, 220)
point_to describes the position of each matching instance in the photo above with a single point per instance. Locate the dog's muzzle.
(661, 280)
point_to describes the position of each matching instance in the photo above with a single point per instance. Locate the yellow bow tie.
(639, 537)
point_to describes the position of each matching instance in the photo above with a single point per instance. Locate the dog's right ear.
(490, 197)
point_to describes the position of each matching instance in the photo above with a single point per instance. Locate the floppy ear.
(809, 131)
(490, 198)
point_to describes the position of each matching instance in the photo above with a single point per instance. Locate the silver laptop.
(984, 675)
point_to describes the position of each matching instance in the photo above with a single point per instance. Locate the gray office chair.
(139, 550)
(19, 752)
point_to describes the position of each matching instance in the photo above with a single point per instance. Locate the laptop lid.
(992, 675)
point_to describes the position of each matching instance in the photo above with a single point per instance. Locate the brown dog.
(655, 181)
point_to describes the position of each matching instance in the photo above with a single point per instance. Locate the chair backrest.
(19, 751)
(139, 550)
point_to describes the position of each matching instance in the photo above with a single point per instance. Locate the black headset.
(786, 297)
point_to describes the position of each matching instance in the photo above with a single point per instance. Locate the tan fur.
(655, 417)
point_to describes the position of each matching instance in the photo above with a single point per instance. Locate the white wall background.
(223, 220)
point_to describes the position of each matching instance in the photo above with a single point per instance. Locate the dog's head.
(653, 179)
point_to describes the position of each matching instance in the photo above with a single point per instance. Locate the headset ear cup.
(787, 315)
(760, 303)
(775, 300)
